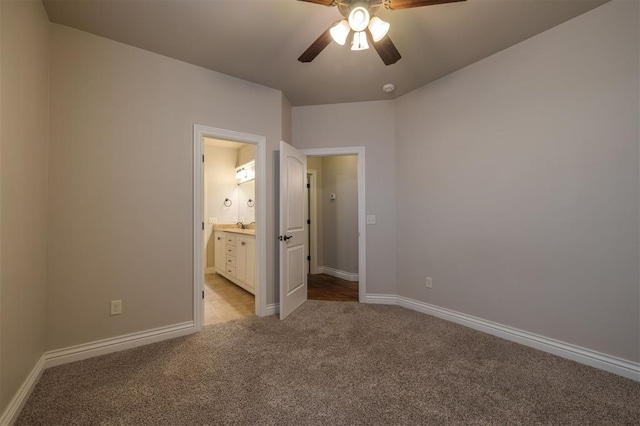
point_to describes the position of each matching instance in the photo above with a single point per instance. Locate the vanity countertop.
(240, 231)
(234, 228)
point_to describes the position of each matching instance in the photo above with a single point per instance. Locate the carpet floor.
(334, 363)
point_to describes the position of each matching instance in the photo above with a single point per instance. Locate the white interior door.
(293, 235)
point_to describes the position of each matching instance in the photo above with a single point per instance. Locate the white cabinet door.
(241, 259)
(220, 251)
(246, 250)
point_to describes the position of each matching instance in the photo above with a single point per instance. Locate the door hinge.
(203, 226)
(308, 257)
(308, 221)
(203, 294)
(203, 158)
(308, 185)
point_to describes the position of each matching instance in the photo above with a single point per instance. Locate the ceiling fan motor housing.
(345, 6)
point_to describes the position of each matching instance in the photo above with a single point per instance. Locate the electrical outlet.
(212, 220)
(116, 307)
(429, 283)
(371, 219)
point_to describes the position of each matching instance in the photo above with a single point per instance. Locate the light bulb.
(359, 41)
(378, 28)
(340, 31)
(359, 18)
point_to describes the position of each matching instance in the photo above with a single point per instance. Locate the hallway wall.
(24, 137)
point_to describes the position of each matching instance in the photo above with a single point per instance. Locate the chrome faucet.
(241, 225)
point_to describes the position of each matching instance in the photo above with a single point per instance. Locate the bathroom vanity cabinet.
(235, 258)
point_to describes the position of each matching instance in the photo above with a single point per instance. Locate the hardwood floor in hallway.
(326, 287)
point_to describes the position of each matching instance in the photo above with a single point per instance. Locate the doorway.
(332, 183)
(247, 261)
(229, 230)
(294, 245)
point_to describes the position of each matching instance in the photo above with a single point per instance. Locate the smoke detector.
(389, 87)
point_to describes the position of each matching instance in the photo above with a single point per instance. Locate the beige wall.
(246, 153)
(340, 216)
(24, 91)
(519, 176)
(287, 120)
(372, 125)
(121, 181)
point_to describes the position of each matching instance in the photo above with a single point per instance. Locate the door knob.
(285, 238)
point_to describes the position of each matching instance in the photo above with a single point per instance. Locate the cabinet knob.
(243, 243)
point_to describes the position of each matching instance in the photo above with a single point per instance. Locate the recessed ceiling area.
(260, 41)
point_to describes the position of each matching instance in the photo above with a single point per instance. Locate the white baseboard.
(115, 344)
(12, 412)
(88, 350)
(349, 276)
(628, 369)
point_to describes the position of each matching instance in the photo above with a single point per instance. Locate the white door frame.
(260, 142)
(362, 240)
(313, 216)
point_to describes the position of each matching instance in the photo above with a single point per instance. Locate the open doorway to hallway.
(229, 237)
(333, 254)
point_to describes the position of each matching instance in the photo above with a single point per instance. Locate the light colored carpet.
(332, 363)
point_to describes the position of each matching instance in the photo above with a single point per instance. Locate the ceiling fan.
(360, 18)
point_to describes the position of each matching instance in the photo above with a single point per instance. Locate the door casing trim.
(200, 131)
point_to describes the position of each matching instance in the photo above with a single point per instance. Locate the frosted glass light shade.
(378, 28)
(340, 31)
(359, 18)
(359, 41)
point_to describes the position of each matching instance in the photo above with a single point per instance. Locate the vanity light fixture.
(246, 172)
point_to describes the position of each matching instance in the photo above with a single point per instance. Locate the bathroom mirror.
(247, 201)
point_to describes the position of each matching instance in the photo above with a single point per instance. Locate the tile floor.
(225, 301)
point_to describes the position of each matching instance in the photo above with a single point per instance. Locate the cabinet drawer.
(231, 250)
(231, 261)
(231, 240)
(231, 270)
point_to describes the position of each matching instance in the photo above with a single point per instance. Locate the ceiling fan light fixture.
(340, 31)
(378, 29)
(359, 41)
(359, 18)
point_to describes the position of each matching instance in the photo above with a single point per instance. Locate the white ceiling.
(260, 40)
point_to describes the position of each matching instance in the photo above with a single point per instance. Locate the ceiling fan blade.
(316, 47)
(407, 4)
(386, 49)
(322, 2)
